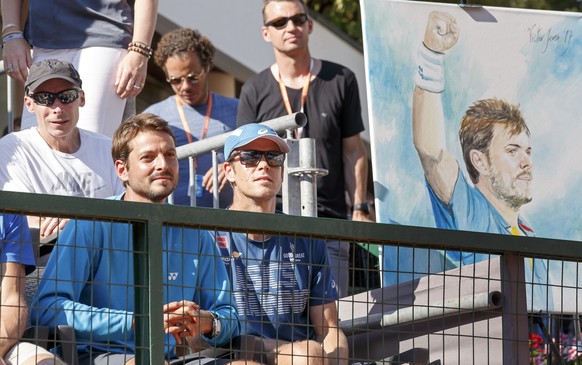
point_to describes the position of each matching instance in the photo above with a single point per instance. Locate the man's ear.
(228, 171)
(121, 171)
(480, 161)
(265, 33)
(81, 98)
(29, 103)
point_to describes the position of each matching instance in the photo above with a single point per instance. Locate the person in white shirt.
(56, 157)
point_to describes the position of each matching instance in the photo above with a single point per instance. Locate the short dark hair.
(267, 2)
(131, 127)
(181, 42)
(476, 131)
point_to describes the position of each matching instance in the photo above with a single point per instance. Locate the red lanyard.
(303, 94)
(185, 121)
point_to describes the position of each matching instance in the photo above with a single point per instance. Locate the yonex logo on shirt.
(172, 275)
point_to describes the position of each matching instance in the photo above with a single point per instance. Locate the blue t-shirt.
(276, 282)
(15, 238)
(66, 24)
(222, 120)
(88, 283)
(469, 210)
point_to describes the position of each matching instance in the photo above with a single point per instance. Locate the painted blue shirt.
(469, 210)
(15, 238)
(276, 282)
(88, 283)
(222, 120)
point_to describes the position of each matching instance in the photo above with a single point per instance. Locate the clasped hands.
(184, 319)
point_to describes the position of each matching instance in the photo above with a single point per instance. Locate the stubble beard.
(160, 194)
(508, 192)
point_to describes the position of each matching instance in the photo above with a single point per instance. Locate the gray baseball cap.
(50, 69)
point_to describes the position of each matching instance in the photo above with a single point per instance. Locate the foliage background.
(345, 14)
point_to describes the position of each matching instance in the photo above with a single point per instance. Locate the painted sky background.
(530, 58)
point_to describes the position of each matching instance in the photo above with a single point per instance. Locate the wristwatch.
(215, 325)
(364, 207)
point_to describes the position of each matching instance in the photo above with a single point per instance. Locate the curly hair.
(181, 42)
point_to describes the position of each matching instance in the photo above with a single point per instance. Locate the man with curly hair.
(194, 112)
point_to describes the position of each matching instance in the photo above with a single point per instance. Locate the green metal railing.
(148, 220)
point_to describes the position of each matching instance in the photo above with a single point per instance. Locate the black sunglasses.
(280, 23)
(192, 78)
(253, 158)
(48, 99)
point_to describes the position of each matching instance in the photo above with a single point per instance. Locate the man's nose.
(526, 161)
(263, 162)
(161, 162)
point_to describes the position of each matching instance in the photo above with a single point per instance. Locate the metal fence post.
(515, 328)
(149, 293)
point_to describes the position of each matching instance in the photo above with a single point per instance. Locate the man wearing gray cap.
(284, 288)
(56, 157)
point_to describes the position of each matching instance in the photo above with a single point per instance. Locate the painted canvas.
(475, 112)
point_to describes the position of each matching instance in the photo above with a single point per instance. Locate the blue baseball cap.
(249, 132)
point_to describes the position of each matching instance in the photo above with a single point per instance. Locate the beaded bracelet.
(141, 45)
(142, 52)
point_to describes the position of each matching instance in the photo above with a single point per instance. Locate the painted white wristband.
(429, 74)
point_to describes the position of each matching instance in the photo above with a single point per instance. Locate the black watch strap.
(364, 207)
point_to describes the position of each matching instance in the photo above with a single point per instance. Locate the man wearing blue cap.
(283, 286)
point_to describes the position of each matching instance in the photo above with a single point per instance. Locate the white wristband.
(429, 74)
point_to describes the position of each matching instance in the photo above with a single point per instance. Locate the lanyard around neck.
(303, 92)
(180, 108)
(185, 121)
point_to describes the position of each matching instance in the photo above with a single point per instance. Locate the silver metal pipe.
(451, 306)
(291, 191)
(418, 313)
(215, 197)
(303, 174)
(9, 98)
(308, 182)
(192, 181)
(217, 142)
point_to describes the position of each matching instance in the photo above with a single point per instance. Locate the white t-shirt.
(28, 164)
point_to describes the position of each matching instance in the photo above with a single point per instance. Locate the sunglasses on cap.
(280, 23)
(192, 78)
(252, 158)
(48, 99)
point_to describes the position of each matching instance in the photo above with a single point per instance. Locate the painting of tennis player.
(477, 110)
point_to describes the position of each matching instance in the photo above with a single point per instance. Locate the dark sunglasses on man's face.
(253, 158)
(192, 78)
(48, 99)
(280, 23)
